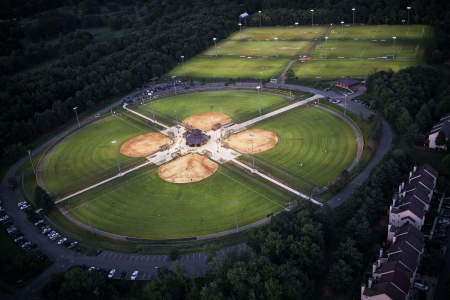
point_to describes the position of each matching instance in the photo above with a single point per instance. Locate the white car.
(111, 273)
(11, 229)
(134, 275)
(18, 239)
(45, 230)
(23, 207)
(26, 244)
(4, 218)
(39, 222)
(73, 244)
(19, 204)
(62, 241)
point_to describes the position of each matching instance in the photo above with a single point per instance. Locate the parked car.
(26, 244)
(62, 241)
(134, 275)
(111, 273)
(11, 229)
(46, 229)
(421, 286)
(92, 268)
(73, 244)
(38, 222)
(18, 239)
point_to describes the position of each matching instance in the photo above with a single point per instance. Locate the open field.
(283, 33)
(239, 105)
(142, 205)
(313, 145)
(386, 32)
(260, 48)
(88, 153)
(328, 69)
(231, 67)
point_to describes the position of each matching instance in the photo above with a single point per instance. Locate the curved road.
(194, 263)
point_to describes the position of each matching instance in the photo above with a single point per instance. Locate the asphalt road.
(194, 263)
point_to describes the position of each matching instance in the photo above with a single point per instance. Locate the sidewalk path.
(145, 117)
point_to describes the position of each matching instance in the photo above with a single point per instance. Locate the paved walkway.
(145, 117)
(276, 182)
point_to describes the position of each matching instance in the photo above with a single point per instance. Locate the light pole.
(174, 86)
(182, 64)
(215, 45)
(259, 13)
(251, 135)
(408, 8)
(258, 88)
(117, 155)
(276, 44)
(403, 21)
(393, 45)
(353, 12)
(345, 104)
(76, 115)
(31, 161)
(342, 26)
(296, 24)
(312, 16)
(240, 29)
(326, 46)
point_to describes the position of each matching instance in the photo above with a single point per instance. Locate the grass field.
(313, 145)
(239, 105)
(231, 67)
(260, 48)
(283, 33)
(83, 157)
(328, 69)
(386, 32)
(142, 205)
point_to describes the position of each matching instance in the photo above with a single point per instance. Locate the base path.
(145, 117)
(282, 185)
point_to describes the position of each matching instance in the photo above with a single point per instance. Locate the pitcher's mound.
(206, 121)
(144, 145)
(262, 140)
(188, 168)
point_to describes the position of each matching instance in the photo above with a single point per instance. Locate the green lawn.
(260, 48)
(283, 33)
(328, 69)
(142, 205)
(239, 105)
(231, 67)
(88, 155)
(386, 32)
(313, 145)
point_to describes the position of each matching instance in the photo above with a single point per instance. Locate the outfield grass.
(313, 145)
(142, 205)
(82, 158)
(260, 48)
(283, 33)
(327, 69)
(231, 67)
(239, 105)
(386, 32)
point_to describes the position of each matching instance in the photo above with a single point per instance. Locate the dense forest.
(51, 58)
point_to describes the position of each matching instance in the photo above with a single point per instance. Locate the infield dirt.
(144, 145)
(187, 169)
(206, 121)
(262, 140)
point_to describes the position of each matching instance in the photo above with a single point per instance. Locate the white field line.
(283, 186)
(102, 182)
(276, 112)
(145, 117)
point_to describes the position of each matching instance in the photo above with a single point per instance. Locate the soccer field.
(283, 33)
(142, 205)
(83, 157)
(313, 145)
(239, 105)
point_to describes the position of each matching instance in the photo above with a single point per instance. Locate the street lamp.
(258, 88)
(408, 8)
(182, 63)
(259, 12)
(117, 155)
(326, 46)
(240, 29)
(31, 161)
(174, 86)
(76, 115)
(393, 45)
(312, 16)
(353, 12)
(251, 135)
(215, 45)
(342, 26)
(276, 44)
(296, 24)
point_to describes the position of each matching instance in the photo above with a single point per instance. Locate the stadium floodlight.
(258, 88)
(312, 16)
(276, 44)
(408, 8)
(240, 29)
(117, 154)
(215, 45)
(326, 46)
(259, 13)
(296, 24)
(251, 135)
(76, 115)
(353, 12)
(174, 86)
(31, 161)
(182, 63)
(342, 25)
(393, 45)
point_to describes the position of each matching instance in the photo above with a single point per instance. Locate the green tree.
(42, 199)
(440, 139)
